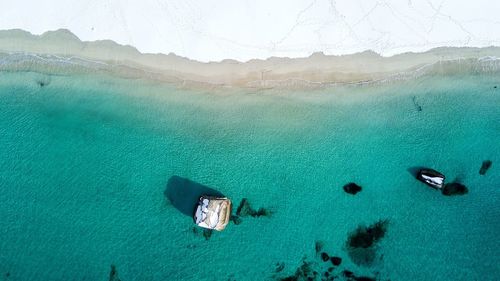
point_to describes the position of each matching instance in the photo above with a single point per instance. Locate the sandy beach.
(218, 30)
(315, 71)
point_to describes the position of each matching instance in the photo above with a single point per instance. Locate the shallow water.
(85, 162)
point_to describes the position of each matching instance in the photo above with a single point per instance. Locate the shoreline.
(62, 52)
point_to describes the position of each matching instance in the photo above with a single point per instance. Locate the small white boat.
(213, 212)
(431, 177)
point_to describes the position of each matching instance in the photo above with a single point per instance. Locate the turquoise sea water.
(85, 162)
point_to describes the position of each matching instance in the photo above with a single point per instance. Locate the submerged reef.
(303, 272)
(352, 188)
(364, 237)
(43, 81)
(361, 244)
(363, 278)
(318, 246)
(235, 219)
(309, 271)
(418, 107)
(336, 260)
(280, 266)
(454, 188)
(363, 256)
(206, 233)
(245, 209)
(349, 275)
(316, 270)
(113, 274)
(485, 166)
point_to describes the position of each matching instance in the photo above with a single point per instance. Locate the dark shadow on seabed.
(184, 194)
(414, 170)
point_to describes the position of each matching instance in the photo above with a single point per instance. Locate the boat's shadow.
(184, 194)
(414, 170)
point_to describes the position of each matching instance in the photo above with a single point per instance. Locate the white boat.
(431, 177)
(213, 212)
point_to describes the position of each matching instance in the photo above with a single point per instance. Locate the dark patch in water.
(362, 249)
(361, 243)
(184, 194)
(364, 237)
(485, 166)
(43, 81)
(290, 278)
(198, 231)
(454, 188)
(236, 219)
(207, 233)
(280, 266)
(352, 188)
(113, 275)
(318, 246)
(418, 107)
(363, 278)
(310, 271)
(303, 272)
(458, 178)
(351, 276)
(243, 204)
(363, 256)
(414, 170)
(336, 260)
(325, 257)
(195, 230)
(347, 273)
(245, 209)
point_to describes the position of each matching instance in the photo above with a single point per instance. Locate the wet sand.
(315, 71)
